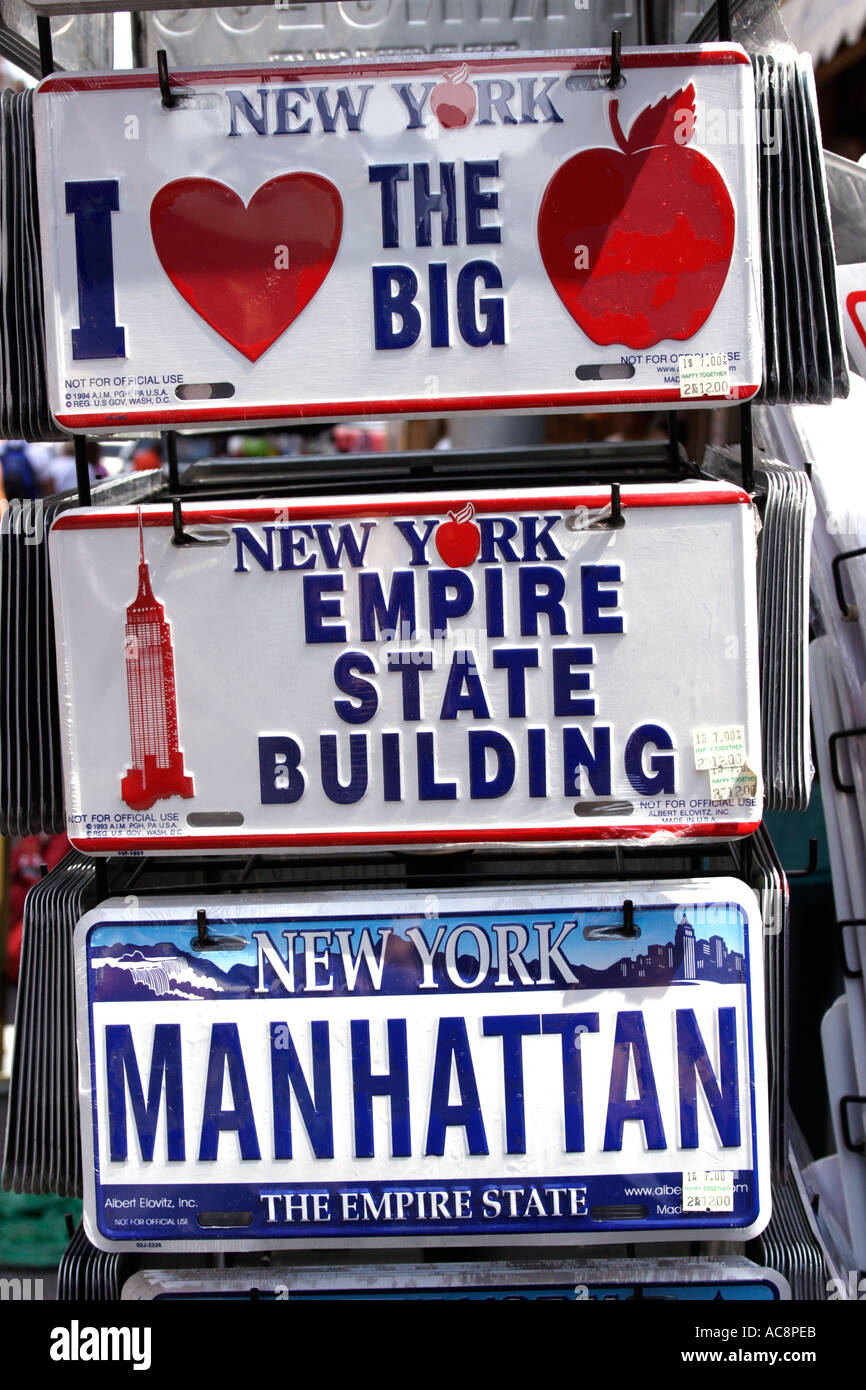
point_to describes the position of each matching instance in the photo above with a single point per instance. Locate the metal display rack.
(608, 464)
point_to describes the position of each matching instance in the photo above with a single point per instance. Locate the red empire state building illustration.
(157, 769)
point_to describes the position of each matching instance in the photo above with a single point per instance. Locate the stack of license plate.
(846, 185)
(24, 412)
(804, 344)
(31, 780)
(826, 438)
(787, 512)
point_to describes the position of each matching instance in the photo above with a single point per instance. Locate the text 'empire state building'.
(157, 769)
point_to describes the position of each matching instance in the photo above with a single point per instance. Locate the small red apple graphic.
(637, 241)
(454, 100)
(458, 540)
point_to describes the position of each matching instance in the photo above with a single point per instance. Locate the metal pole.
(82, 471)
(46, 52)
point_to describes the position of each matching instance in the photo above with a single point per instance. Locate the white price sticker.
(719, 748)
(708, 1191)
(728, 783)
(704, 374)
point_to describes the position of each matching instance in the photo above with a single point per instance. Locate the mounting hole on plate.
(605, 371)
(619, 1212)
(211, 1219)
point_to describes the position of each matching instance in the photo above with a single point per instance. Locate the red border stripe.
(710, 55)
(205, 516)
(389, 839)
(422, 405)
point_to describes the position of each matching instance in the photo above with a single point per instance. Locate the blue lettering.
(693, 1063)
(394, 617)
(576, 753)
(388, 176)
(444, 203)
(571, 1029)
(344, 794)
(345, 104)
(662, 764)
(122, 1072)
(593, 598)
(317, 608)
(91, 203)
(428, 787)
(226, 1057)
(630, 1043)
(393, 1083)
(453, 1055)
(394, 291)
(485, 323)
(240, 105)
(566, 681)
(287, 1077)
(464, 673)
(347, 680)
(515, 661)
(262, 554)
(482, 741)
(409, 665)
(281, 780)
(512, 1029)
(542, 591)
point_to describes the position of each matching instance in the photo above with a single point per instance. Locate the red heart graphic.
(248, 271)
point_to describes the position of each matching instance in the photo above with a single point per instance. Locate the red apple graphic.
(454, 101)
(657, 225)
(458, 540)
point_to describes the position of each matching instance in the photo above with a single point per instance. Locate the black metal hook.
(615, 78)
(182, 537)
(812, 864)
(833, 744)
(612, 518)
(628, 930)
(169, 100)
(747, 448)
(848, 610)
(855, 1146)
(203, 941)
(169, 450)
(723, 20)
(179, 537)
(846, 969)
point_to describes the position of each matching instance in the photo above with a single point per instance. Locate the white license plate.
(410, 671)
(400, 237)
(464, 1067)
(607, 1280)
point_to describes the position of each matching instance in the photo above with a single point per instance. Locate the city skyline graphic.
(159, 962)
(157, 769)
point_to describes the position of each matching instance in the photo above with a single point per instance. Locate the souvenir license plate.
(501, 234)
(603, 1281)
(458, 1067)
(408, 671)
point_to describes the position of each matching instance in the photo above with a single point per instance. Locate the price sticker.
(728, 783)
(708, 1191)
(704, 374)
(719, 748)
